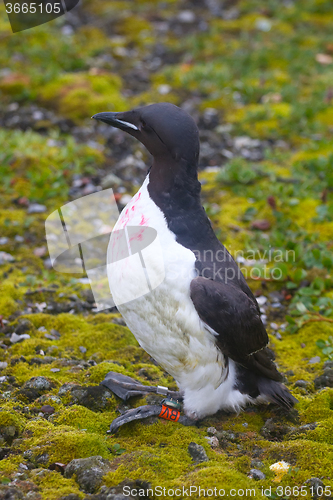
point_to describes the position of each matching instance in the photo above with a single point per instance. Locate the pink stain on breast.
(137, 236)
(143, 221)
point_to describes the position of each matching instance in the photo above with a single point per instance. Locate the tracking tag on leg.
(169, 413)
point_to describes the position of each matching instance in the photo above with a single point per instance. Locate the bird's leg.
(126, 387)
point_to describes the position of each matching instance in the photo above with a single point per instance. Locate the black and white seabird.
(204, 327)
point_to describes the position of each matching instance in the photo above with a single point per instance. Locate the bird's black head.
(166, 130)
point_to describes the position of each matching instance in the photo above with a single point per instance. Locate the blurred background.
(258, 79)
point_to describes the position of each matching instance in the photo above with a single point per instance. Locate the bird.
(202, 324)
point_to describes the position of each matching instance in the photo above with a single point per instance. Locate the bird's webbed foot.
(127, 387)
(134, 414)
(164, 410)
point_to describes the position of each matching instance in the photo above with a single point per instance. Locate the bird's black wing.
(235, 318)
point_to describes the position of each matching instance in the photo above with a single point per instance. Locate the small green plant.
(326, 346)
(116, 449)
(238, 171)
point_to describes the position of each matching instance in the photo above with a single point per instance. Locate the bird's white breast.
(164, 320)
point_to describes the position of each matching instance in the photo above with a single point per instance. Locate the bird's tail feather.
(276, 393)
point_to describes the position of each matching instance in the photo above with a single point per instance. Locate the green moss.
(62, 443)
(295, 351)
(11, 418)
(54, 486)
(9, 294)
(10, 465)
(317, 408)
(80, 417)
(79, 96)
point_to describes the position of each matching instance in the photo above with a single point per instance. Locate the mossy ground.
(261, 68)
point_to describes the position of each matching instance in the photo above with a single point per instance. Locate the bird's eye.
(143, 124)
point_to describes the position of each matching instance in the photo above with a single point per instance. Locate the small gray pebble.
(314, 360)
(257, 464)
(211, 431)
(197, 453)
(257, 474)
(302, 383)
(36, 208)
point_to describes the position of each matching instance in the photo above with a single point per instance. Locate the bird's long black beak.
(115, 120)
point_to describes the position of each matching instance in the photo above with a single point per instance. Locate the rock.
(261, 224)
(256, 464)
(18, 338)
(88, 295)
(328, 364)
(24, 326)
(197, 453)
(94, 397)
(316, 483)
(314, 360)
(49, 337)
(211, 431)
(10, 493)
(257, 474)
(88, 471)
(55, 333)
(43, 459)
(35, 387)
(261, 300)
(83, 349)
(47, 409)
(6, 257)
(3, 365)
(40, 251)
(295, 431)
(226, 436)
(39, 383)
(36, 208)
(213, 441)
(324, 380)
(274, 431)
(186, 16)
(304, 384)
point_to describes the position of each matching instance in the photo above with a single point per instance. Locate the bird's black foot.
(135, 414)
(162, 410)
(126, 387)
